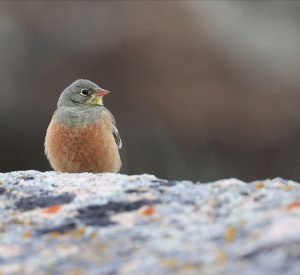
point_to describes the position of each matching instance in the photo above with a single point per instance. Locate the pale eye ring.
(84, 92)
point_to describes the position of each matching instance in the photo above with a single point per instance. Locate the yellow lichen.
(222, 257)
(260, 185)
(79, 232)
(170, 262)
(288, 187)
(27, 234)
(243, 221)
(94, 234)
(103, 246)
(230, 234)
(77, 271)
(55, 234)
(191, 266)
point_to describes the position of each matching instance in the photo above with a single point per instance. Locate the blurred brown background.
(200, 90)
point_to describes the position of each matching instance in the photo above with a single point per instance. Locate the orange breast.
(86, 148)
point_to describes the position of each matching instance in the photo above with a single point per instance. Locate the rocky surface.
(117, 224)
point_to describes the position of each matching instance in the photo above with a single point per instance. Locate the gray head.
(81, 92)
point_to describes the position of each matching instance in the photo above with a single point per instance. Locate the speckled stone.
(56, 223)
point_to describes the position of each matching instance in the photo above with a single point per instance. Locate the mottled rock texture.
(55, 223)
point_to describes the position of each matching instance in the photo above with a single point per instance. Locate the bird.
(82, 135)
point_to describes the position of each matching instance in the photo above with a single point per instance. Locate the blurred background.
(201, 90)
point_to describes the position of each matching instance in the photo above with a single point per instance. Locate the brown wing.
(115, 131)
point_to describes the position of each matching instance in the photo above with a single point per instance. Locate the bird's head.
(82, 92)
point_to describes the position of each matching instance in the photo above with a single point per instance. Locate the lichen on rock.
(112, 223)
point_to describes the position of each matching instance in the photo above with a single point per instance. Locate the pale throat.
(97, 100)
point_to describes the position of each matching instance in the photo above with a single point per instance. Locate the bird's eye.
(84, 92)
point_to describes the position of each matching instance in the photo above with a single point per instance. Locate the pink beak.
(102, 92)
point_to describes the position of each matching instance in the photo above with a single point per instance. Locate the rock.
(117, 224)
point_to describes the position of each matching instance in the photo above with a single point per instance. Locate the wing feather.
(115, 131)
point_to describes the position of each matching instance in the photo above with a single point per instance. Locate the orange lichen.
(293, 205)
(53, 209)
(149, 210)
